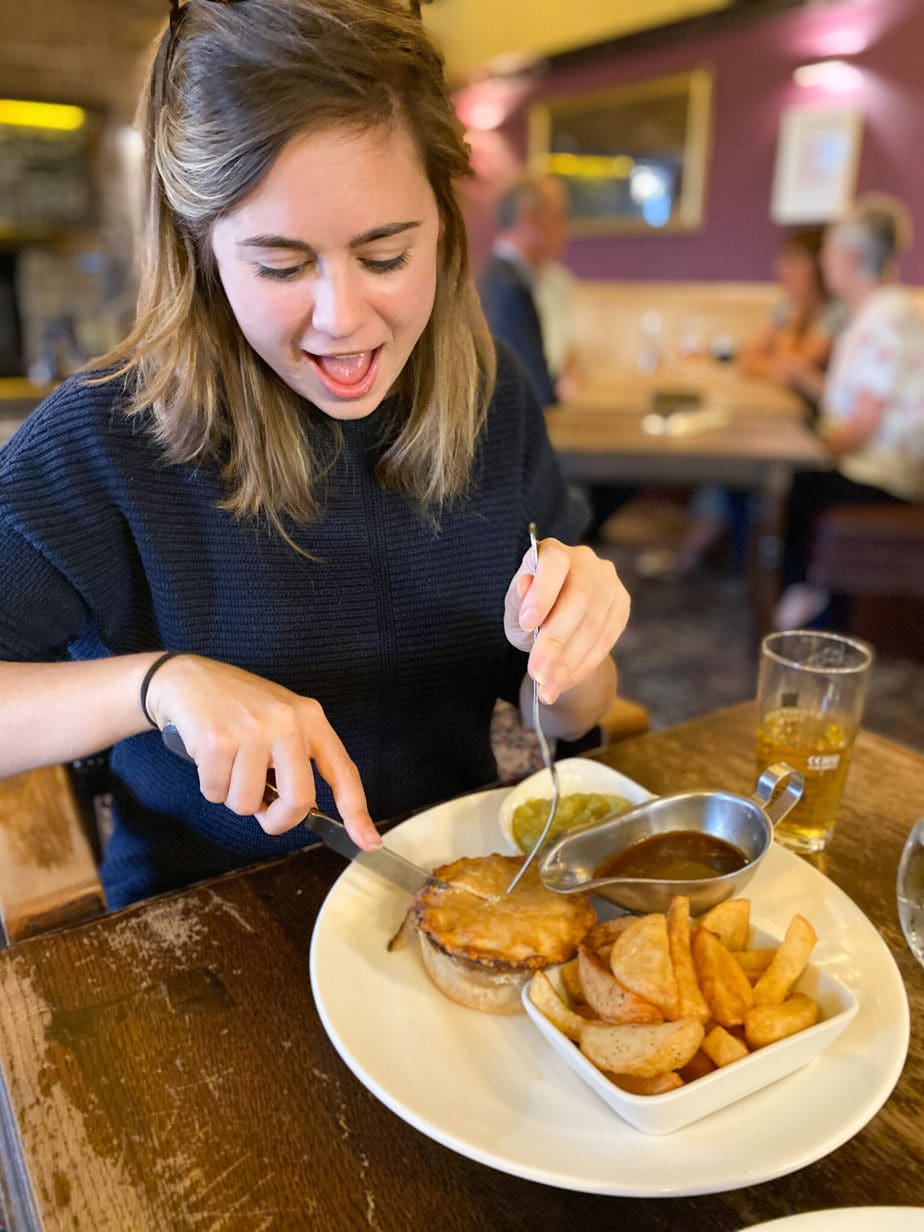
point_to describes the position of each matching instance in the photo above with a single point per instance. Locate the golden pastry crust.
(527, 930)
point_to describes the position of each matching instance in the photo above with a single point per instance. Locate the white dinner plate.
(848, 1219)
(492, 1089)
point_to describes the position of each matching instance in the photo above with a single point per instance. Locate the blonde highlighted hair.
(229, 85)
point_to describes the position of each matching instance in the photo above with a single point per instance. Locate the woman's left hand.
(580, 607)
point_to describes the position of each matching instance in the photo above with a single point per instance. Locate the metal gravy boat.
(569, 864)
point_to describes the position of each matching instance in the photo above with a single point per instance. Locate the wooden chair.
(875, 555)
(624, 718)
(48, 875)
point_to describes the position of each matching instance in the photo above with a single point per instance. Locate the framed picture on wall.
(816, 164)
(633, 158)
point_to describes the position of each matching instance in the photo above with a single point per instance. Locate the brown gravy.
(675, 855)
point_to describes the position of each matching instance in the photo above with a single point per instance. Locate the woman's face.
(330, 265)
(796, 274)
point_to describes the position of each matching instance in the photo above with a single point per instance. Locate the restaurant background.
(91, 54)
(67, 293)
(753, 58)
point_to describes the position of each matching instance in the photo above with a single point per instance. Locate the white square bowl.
(662, 1114)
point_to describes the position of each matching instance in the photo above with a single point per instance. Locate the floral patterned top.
(881, 352)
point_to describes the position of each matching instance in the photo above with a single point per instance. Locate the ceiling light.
(833, 75)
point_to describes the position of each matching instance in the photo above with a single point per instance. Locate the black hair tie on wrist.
(145, 684)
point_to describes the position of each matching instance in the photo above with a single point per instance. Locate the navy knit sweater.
(395, 626)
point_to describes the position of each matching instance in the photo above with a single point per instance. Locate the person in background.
(872, 410)
(289, 514)
(793, 350)
(532, 219)
(554, 294)
(532, 225)
(795, 346)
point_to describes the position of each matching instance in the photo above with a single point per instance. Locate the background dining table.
(165, 1067)
(704, 425)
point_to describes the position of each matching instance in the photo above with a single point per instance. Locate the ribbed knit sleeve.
(68, 557)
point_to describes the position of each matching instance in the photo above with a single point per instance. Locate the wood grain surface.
(714, 384)
(47, 871)
(598, 445)
(165, 1068)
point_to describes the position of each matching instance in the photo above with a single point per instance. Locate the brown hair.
(227, 88)
(807, 244)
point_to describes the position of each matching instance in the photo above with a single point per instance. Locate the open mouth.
(348, 375)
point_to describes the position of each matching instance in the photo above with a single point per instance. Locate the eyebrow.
(358, 241)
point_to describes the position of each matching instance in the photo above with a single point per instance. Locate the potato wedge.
(607, 997)
(571, 982)
(753, 962)
(730, 921)
(697, 1067)
(547, 1001)
(644, 1050)
(641, 960)
(725, 986)
(723, 1048)
(690, 1001)
(658, 1084)
(605, 932)
(765, 1024)
(787, 963)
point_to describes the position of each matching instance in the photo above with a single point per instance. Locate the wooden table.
(714, 384)
(758, 444)
(165, 1068)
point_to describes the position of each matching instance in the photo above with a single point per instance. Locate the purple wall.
(753, 68)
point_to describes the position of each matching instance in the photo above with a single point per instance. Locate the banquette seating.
(875, 555)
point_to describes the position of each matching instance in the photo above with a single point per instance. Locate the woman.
(873, 405)
(793, 350)
(302, 470)
(795, 347)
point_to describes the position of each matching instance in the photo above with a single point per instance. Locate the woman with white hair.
(872, 416)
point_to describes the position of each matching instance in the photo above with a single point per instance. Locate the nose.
(338, 305)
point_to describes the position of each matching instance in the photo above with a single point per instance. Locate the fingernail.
(527, 618)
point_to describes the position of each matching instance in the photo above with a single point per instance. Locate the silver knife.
(333, 834)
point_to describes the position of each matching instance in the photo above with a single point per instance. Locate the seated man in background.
(554, 291)
(531, 220)
(872, 412)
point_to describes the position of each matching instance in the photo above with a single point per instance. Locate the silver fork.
(543, 744)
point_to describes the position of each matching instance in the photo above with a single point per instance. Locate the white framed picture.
(816, 163)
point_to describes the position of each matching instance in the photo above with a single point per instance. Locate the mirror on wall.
(633, 158)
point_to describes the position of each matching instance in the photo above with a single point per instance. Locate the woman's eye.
(385, 267)
(273, 271)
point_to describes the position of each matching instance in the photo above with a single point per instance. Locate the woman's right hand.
(237, 726)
